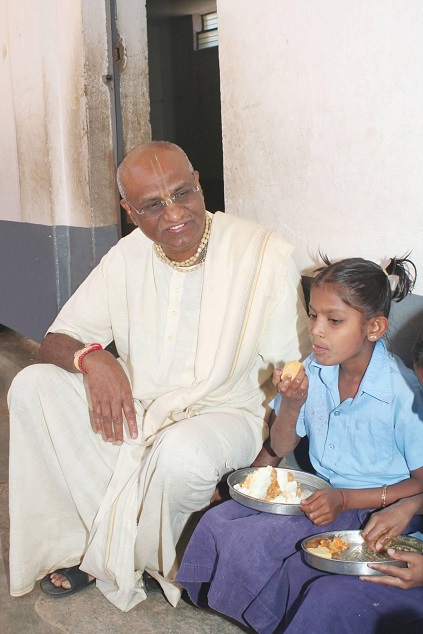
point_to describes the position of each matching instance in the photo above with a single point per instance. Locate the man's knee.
(33, 380)
(182, 459)
(25, 382)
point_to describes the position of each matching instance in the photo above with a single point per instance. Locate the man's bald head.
(134, 156)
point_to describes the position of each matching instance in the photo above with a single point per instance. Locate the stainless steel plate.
(354, 561)
(306, 480)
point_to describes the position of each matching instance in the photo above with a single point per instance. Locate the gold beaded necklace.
(198, 257)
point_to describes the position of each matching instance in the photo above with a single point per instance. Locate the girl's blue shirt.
(373, 439)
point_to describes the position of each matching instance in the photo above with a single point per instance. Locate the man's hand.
(405, 578)
(111, 396)
(109, 388)
(323, 506)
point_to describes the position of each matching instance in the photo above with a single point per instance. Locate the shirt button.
(170, 338)
(174, 313)
(336, 413)
(331, 446)
(176, 290)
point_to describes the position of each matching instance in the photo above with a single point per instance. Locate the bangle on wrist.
(384, 496)
(80, 354)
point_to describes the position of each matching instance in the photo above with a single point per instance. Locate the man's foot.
(151, 586)
(65, 581)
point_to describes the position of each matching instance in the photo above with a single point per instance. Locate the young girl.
(362, 411)
(312, 600)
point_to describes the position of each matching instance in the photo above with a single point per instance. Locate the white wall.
(43, 61)
(57, 128)
(59, 204)
(322, 104)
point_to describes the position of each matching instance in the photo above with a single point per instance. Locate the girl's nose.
(316, 328)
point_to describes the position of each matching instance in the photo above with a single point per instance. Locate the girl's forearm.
(283, 435)
(379, 497)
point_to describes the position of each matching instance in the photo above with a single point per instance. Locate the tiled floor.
(87, 612)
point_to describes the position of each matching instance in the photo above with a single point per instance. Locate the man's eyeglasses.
(155, 208)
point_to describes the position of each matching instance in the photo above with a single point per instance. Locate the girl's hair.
(418, 351)
(365, 286)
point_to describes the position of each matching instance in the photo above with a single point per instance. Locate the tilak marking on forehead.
(158, 171)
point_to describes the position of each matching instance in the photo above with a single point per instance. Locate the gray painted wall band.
(41, 266)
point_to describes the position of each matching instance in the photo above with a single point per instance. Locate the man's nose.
(172, 210)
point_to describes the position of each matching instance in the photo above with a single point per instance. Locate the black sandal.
(77, 578)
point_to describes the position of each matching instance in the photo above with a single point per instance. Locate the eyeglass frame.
(164, 202)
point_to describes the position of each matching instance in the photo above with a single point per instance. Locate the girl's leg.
(339, 603)
(239, 552)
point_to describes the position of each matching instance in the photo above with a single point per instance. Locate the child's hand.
(405, 578)
(294, 391)
(387, 523)
(323, 506)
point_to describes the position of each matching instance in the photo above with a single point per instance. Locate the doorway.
(184, 86)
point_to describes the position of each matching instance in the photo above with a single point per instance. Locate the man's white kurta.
(198, 348)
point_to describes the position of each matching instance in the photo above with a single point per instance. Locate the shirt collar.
(376, 380)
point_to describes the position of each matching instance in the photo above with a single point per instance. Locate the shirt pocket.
(368, 445)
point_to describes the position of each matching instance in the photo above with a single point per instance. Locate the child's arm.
(283, 435)
(378, 497)
(405, 578)
(392, 521)
(325, 505)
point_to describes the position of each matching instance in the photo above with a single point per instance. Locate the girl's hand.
(323, 506)
(294, 391)
(405, 578)
(388, 523)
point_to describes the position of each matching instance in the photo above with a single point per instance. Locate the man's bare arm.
(59, 349)
(108, 385)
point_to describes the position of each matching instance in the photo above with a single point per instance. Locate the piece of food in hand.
(292, 368)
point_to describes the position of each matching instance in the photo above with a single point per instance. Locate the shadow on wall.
(405, 322)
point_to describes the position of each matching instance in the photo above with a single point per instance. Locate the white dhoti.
(63, 473)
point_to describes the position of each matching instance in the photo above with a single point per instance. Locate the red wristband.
(80, 354)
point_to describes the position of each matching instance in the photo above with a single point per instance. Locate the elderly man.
(200, 309)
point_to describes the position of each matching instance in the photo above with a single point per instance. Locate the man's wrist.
(80, 354)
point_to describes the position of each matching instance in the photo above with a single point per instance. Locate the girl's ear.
(376, 328)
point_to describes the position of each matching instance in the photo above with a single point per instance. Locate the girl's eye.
(335, 322)
(311, 316)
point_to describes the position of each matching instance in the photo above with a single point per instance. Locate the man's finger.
(97, 420)
(118, 428)
(131, 419)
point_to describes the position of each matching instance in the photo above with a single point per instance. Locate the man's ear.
(128, 210)
(376, 328)
(197, 179)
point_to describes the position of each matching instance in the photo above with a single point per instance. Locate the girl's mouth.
(318, 349)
